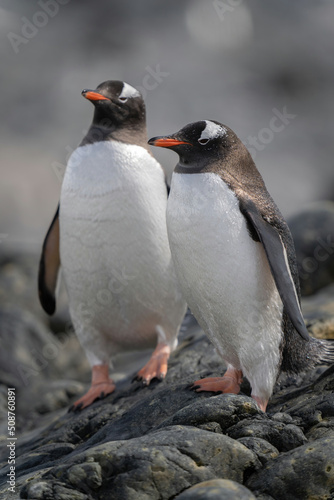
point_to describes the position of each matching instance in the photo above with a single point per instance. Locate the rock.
(224, 409)
(305, 472)
(18, 285)
(264, 496)
(42, 491)
(318, 311)
(312, 403)
(217, 489)
(263, 450)
(322, 329)
(282, 436)
(35, 362)
(159, 465)
(30, 351)
(159, 441)
(18, 279)
(313, 234)
(325, 428)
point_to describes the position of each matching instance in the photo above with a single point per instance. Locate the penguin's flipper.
(278, 262)
(49, 266)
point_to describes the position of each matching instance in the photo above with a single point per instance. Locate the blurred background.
(265, 68)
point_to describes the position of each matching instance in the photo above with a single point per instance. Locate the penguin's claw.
(97, 391)
(73, 408)
(229, 383)
(156, 367)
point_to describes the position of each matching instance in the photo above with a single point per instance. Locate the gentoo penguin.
(110, 236)
(236, 262)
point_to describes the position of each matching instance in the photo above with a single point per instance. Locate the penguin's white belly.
(224, 273)
(114, 248)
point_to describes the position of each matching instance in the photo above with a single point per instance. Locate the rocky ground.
(158, 442)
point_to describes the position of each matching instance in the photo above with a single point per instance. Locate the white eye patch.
(127, 92)
(212, 131)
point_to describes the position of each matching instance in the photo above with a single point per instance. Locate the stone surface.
(282, 436)
(304, 473)
(262, 448)
(18, 285)
(313, 233)
(156, 442)
(34, 362)
(164, 440)
(318, 312)
(217, 489)
(225, 409)
(155, 466)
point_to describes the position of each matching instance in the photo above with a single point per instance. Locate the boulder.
(305, 472)
(313, 234)
(216, 489)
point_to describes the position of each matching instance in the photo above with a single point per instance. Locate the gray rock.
(306, 399)
(263, 450)
(323, 429)
(282, 417)
(217, 489)
(312, 403)
(313, 234)
(306, 472)
(314, 409)
(224, 409)
(57, 491)
(282, 436)
(156, 441)
(157, 466)
(318, 310)
(264, 496)
(35, 362)
(18, 285)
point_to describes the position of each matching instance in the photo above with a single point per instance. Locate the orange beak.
(94, 96)
(166, 142)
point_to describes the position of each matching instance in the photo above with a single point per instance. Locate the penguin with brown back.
(235, 259)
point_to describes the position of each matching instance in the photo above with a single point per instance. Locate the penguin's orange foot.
(157, 366)
(101, 386)
(97, 391)
(229, 383)
(262, 403)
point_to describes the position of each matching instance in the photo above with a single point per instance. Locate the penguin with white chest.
(235, 258)
(109, 235)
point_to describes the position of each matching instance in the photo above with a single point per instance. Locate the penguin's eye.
(203, 141)
(123, 99)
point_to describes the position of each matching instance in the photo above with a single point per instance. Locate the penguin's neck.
(136, 136)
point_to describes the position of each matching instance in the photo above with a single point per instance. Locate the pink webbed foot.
(228, 383)
(101, 386)
(157, 365)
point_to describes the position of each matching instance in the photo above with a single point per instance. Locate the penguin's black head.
(199, 143)
(117, 104)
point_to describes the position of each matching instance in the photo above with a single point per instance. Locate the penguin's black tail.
(300, 355)
(326, 351)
